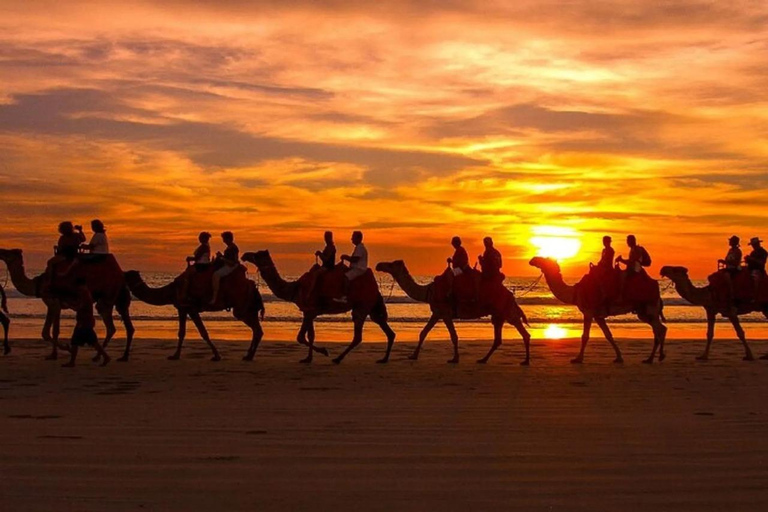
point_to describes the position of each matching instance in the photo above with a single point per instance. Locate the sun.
(555, 332)
(555, 242)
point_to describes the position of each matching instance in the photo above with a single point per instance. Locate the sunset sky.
(412, 121)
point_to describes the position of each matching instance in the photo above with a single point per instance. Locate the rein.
(528, 289)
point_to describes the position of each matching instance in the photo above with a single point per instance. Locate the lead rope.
(391, 290)
(529, 288)
(669, 285)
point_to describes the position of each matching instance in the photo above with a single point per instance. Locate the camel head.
(391, 267)
(674, 273)
(10, 255)
(546, 265)
(132, 278)
(258, 258)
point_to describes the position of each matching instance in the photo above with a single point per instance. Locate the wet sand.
(277, 435)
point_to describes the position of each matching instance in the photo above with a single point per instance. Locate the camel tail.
(3, 300)
(661, 311)
(258, 303)
(123, 300)
(519, 311)
(379, 310)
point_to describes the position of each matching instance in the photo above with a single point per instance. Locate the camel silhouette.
(650, 312)
(237, 292)
(705, 298)
(105, 281)
(361, 305)
(501, 308)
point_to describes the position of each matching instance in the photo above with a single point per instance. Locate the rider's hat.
(754, 241)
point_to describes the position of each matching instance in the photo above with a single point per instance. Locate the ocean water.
(548, 317)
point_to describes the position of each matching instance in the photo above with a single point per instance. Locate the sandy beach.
(277, 435)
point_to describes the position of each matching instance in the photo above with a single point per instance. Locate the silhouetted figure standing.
(4, 320)
(230, 261)
(460, 259)
(84, 333)
(756, 262)
(490, 260)
(328, 254)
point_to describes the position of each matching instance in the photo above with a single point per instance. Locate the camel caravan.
(81, 275)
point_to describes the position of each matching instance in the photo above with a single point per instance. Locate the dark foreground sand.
(276, 435)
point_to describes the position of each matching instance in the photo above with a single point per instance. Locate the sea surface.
(548, 317)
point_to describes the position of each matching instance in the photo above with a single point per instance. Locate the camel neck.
(281, 288)
(409, 285)
(163, 296)
(686, 289)
(562, 291)
(21, 282)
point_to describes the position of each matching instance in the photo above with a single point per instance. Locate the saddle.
(741, 284)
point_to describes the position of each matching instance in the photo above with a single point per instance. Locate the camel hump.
(741, 284)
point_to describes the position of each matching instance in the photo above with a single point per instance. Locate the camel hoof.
(52, 357)
(216, 358)
(525, 362)
(248, 357)
(455, 360)
(323, 352)
(764, 357)
(662, 357)
(336, 360)
(123, 359)
(749, 357)
(383, 360)
(619, 360)
(96, 358)
(577, 360)
(306, 360)
(6, 351)
(68, 365)
(413, 357)
(648, 361)
(174, 357)
(702, 358)
(480, 361)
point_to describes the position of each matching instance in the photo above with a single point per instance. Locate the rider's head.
(66, 228)
(734, 241)
(357, 237)
(97, 226)
(607, 241)
(755, 242)
(631, 241)
(329, 237)
(204, 237)
(228, 237)
(456, 242)
(488, 242)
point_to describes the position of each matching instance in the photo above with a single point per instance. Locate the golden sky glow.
(279, 120)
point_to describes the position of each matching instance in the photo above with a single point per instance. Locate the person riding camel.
(606, 257)
(638, 258)
(732, 266)
(199, 260)
(67, 246)
(230, 260)
(95, 250)
(328, 254)
(460, 259)
(756, 263)
(604, 270)
(490, 260)
(358, 262)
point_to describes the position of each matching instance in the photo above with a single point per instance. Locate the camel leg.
(517, 323)
(584, 340)
(384, 325)
(306, 324)
(311, 337)
(659, 333)
(609, 336)
(105, 312)
(423, 336)
(498, 325)
(252, 321)
(182, 333)
(742, 337)
(710, 334)
(454, 339)
(125, 317)
(356, 339)
(6, 322)
(195, 316)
